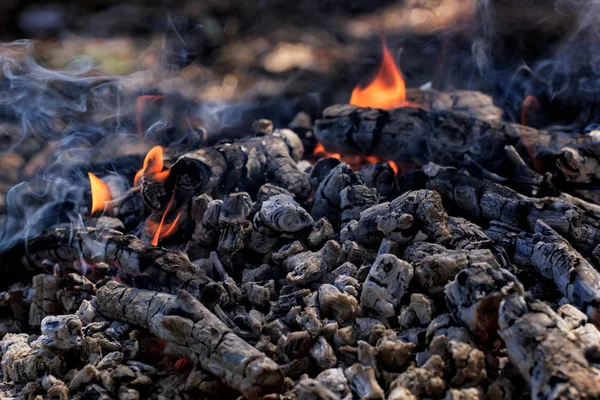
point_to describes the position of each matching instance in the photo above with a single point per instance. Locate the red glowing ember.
(100, 193)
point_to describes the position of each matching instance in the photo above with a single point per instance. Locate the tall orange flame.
(163, 230)
(100, 193)
(387, 90)
(153, 166)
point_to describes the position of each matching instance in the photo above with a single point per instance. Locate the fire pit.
(215, 204)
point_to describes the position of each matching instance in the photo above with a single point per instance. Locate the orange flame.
(529, 104)
(139, 108)
(386, 91)
(163, 230)
(100, 193)
(320, 151)
(153, 166)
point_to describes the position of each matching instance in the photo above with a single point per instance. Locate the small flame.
(100, 193)
(139, 108)
(320, 152)
(153, 166)
(163, 230)
(386, 91)
(529, 104)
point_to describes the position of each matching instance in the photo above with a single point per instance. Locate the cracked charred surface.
(185, 322)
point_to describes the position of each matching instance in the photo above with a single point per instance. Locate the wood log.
(148, 266)
(281, 213)
(327, 199)
(416, 136)
(184, 321)
(556, 260)
(475, 295)
(424, 205)
(486, 201)
(546, 351)
(244, 164)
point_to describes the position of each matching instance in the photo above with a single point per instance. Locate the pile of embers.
(301, 281)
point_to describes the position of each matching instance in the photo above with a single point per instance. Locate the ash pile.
(413, 244)
(257, 273)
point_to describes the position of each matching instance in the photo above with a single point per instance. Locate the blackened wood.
(149, 266)
(380, 176)
(546, 351)
(183, 320)
(487, 201)
(355, 199)
(243, 164)
(556, 260)
(424, 205)
(327, 200)
(281, 213)
(417, 136)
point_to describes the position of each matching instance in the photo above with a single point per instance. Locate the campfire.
(201, 226)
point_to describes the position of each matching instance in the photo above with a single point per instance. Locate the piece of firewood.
(44, 301)
(412, 135)
(327, 200)
(386, 219)
(243, 164)
(546, 351)
(487, 201)
(281, 213)
(186, 322)
(475, 295)
(149, 266)
(556, 260)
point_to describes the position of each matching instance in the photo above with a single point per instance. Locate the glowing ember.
(139, 108)
(320, 152)
(529, 104)
(386, 91)
(394, 166)
(163, 230)
(153, 166)
(100, 193)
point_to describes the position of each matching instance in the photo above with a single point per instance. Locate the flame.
(153, 166)
(530, 103)
(100, 193)
(163, 230)
(139, 108)
(387, 90)
(320, 152)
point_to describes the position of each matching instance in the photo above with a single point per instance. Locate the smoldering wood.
(386, 284)
(545, 350)
(418, 136)
(354, 200)
(281, 213)
(183, 320)
(487, 201)
(475, 295)
(556, 260)
(433, 271)
(234, 226)
(464, 102)
(307, 267)
(243, 164)
(381, 176)
(44, 301)
(327, 198)
(148, 266)
(424, 205)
